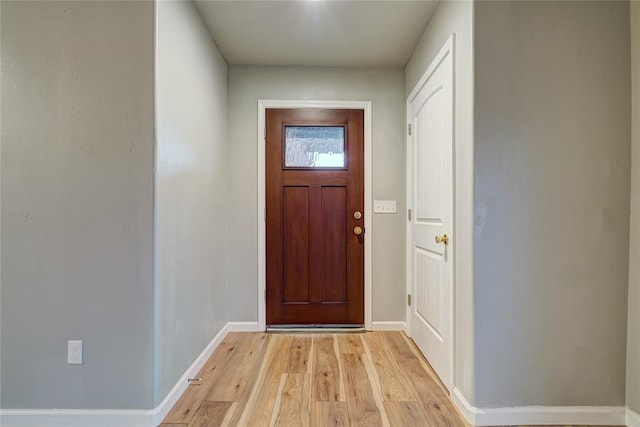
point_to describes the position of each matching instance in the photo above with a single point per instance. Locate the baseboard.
(525, 415)
(243, 326)
(466, 410)
(540, 415)
(389, 326)
(76, 418)
(633, 418)
(161, 411)
(119, 418)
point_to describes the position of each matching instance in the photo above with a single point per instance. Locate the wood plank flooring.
(349, 379)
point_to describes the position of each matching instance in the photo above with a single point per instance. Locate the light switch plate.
(384, 206)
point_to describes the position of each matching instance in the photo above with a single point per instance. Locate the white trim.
(368, 196)
(76, 417)
(120, 417)
(389, 326)
(463, 406)
(161, 411)
(633, 418)
(539, 415)
(525, 415)
(448, 49)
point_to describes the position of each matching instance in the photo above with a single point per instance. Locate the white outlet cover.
(74, 352)
(384, 206)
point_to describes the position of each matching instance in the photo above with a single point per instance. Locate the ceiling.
(338, 33)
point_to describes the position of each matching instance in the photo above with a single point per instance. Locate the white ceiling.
(340, 33)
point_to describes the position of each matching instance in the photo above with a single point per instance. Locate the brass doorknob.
(442, 239)
(357, 230)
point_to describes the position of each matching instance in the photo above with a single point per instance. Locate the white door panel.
(428, 270)
(430, 194)
(428, 182)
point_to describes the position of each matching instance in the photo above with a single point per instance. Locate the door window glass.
(314, 147)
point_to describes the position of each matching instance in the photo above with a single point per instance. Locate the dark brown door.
(315, 201)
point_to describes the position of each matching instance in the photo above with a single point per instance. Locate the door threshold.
(321, 329)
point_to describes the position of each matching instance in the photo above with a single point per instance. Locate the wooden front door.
(315, 202)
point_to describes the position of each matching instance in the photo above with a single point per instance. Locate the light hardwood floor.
(349, 379)
(355, 379)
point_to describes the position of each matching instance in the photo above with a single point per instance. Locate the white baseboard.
(119, 418)
(161, 411)
(389, 326)
(540, 415)
(633, 418)
(243, 326)
(76, 417)
(464, 407)
(525, 415)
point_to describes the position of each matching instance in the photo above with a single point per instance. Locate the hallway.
(134, 212)
(358, 379)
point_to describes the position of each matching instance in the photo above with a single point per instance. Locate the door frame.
(448, 49)
(368, 196)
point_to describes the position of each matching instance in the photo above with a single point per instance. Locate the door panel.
(314, 183)
(429, 158)
(428, 271)
(296, 244)
(430, 162)
(334, 248)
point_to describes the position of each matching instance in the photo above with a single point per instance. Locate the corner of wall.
(1, 322)
(633, 325)
(191, 192)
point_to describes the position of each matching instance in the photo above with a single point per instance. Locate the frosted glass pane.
(314, 147)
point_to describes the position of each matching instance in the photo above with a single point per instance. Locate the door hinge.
(264, 214)
(409, 299)
(409, 214)
(409, 128)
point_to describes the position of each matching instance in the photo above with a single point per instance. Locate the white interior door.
(430, 231)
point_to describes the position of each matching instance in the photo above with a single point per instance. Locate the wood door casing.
(315, 262)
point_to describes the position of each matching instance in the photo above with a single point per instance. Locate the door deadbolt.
(357, 214)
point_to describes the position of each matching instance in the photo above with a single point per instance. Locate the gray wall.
(552, 133)
(191, 192)
(1, 400)
(385, 88)
(77, 206)
(633, 333)
(456, 18)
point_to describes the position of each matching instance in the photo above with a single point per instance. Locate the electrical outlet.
(74, 352)
(384, 206)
